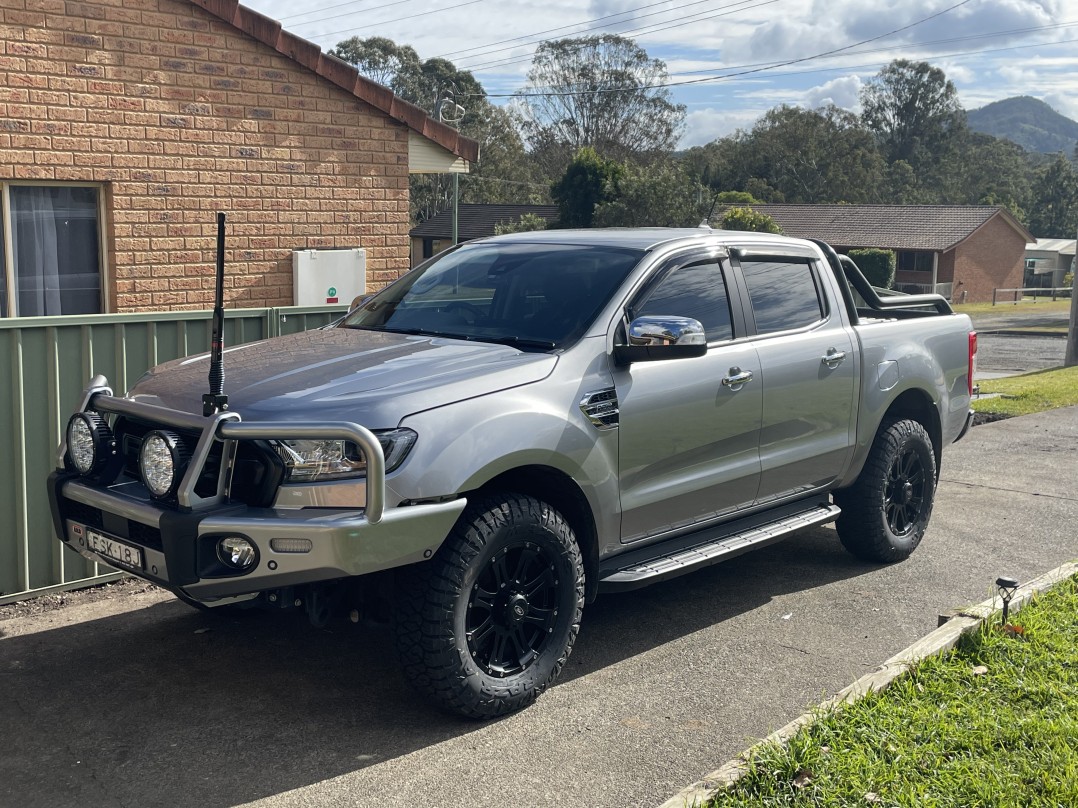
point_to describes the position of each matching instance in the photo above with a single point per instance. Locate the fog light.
(89, 442)
(291, 545)
(162, 461)
(237, 552)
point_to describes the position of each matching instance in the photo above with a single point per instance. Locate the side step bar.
(668, 559)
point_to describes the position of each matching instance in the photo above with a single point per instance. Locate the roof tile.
(896, 227)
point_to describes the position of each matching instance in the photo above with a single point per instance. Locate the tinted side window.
(697, 291)
(783, 294)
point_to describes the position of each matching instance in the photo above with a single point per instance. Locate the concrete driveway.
(143, 702)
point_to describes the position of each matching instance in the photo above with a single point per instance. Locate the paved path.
(143, 702)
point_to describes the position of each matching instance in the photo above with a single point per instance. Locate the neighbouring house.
(1048, 260)
(125, 126)
(473, 221)
(960, 251)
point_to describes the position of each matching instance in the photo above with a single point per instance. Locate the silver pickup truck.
(519, 424)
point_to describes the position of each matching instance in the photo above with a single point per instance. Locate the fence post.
(994, 296)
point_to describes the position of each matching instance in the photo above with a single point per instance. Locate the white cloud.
(1063, 104)
(843, 92)
(705, 125)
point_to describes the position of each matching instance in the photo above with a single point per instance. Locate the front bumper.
(175, 544)
(178, 550)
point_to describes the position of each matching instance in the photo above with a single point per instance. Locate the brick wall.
(992, 258)
(179, 115)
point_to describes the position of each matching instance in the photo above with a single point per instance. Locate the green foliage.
(913, 109)
(585, 184)
(749, 219)
(736, 198)
(503, 172)
(660, 194)
(527, 223)
(602, 92)
(878, 266)
(1053, 211)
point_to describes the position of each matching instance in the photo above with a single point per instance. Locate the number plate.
(113, 549)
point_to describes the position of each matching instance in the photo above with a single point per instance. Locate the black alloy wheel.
(904, 494)
(512, 609)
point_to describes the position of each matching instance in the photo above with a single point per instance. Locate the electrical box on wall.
(328, 277)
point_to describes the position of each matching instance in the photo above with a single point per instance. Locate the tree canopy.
(603, 92)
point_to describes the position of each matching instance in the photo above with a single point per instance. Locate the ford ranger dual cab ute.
(519, 424)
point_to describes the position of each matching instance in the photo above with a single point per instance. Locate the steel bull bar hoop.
(329, 430)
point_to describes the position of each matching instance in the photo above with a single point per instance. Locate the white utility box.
(328, 277)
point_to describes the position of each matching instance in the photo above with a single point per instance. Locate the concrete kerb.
(942, 639)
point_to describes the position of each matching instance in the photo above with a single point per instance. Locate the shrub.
(525, 224)
(749, 219)
(876, 265)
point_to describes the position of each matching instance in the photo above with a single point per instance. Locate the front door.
(688, 442)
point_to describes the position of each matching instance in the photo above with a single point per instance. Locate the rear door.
(808, 376)
(687, 441)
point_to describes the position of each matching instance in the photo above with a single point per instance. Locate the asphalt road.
(142, 702)
(1002, 350)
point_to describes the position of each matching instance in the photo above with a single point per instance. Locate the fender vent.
(601, 407)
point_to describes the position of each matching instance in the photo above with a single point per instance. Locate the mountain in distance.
(1029, 122)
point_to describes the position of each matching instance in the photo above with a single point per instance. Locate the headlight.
(162, 461)
(89, 442)
(315, 460)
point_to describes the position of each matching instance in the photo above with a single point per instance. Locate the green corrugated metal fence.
(47, 362)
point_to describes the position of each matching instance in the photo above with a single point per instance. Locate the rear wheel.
(487, 625)
(886, 512)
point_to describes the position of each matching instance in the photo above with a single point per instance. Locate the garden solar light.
(1007, 588)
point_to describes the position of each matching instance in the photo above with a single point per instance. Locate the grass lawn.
(993, 723)
(1031, 392)
(1003, 309)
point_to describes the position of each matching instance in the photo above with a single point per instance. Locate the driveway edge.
(942, 639)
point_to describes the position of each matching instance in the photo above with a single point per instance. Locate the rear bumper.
(965, 427)
(178, 549)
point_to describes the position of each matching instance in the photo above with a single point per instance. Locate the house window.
(913, 261)
(52, 256)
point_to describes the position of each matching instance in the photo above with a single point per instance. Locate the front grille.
(83, 514)
(144, 535)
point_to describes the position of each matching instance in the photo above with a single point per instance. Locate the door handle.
(737, 377)
(833, 357)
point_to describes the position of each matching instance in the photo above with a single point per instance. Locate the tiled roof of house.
(309, 55)
(895, 227)
(477, 221)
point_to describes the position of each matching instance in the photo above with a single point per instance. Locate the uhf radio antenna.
(216, 401)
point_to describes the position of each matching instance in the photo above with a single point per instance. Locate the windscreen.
(531, 295)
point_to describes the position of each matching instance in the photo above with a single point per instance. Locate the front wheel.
(487, 625)
(886, 512)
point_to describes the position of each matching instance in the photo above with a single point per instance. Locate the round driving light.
(89, 442)
(237, 552)
(162, 461)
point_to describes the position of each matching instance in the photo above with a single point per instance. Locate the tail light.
(972, 359)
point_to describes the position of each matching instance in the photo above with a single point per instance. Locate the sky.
(798, 52)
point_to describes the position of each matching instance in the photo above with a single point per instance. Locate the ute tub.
(175, 544)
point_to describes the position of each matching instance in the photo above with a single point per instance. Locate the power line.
(538, 35)
(652, 28)
(336, 16)
(400, 19)
(738, 74)
(906, 46)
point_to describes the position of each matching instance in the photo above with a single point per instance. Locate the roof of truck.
(640, 238)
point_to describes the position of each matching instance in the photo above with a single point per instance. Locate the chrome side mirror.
(657, 337)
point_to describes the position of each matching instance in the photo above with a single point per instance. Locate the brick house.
(435, 234)
(126, 124)
(960, 251)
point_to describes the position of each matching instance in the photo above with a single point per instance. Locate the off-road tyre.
(885, 513)
(488, 623)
